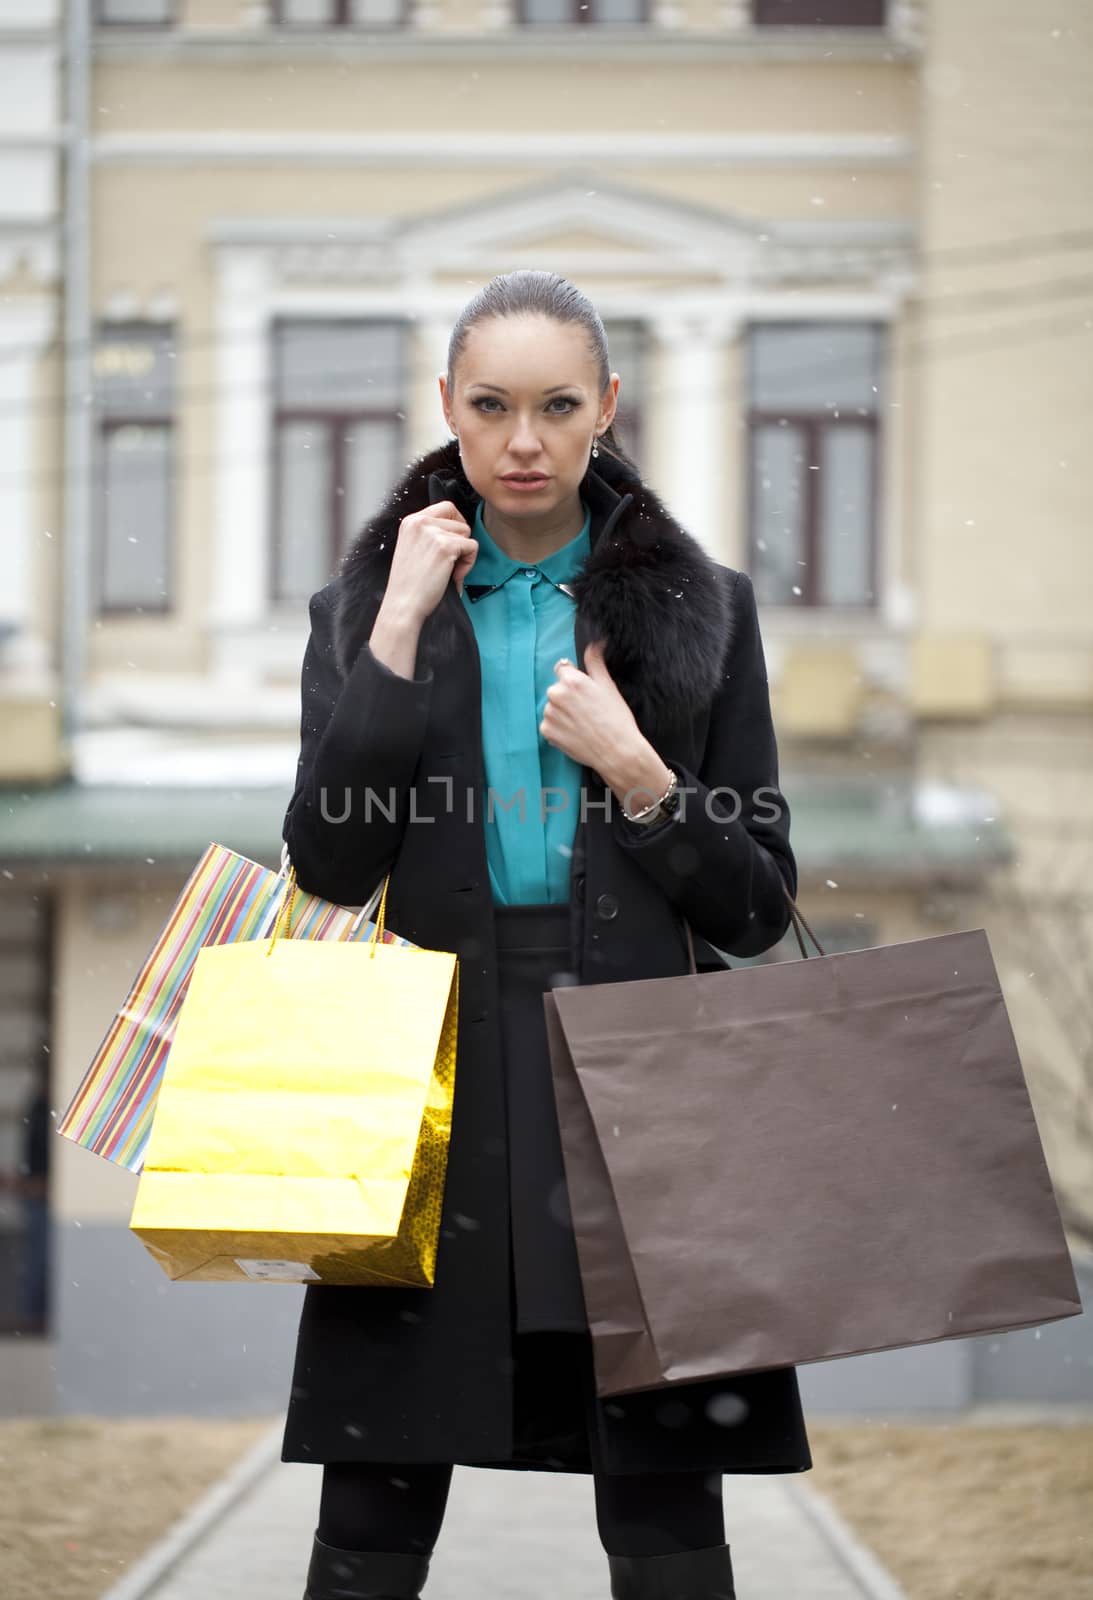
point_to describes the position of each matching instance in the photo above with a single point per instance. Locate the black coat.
(406, 1374)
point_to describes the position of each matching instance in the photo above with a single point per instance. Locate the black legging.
(370, 1506)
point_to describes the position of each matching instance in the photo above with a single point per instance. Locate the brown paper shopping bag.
(802, 1160)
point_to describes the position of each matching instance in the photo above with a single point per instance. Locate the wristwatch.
(661, 809)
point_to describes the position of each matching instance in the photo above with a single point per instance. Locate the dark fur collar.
(648, 587)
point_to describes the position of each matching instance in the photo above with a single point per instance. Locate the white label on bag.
(289, 1271)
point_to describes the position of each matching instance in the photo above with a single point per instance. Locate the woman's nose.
(524, 437)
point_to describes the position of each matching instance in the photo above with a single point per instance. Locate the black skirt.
(553, 1378)
(533, 955)
(751, 1423)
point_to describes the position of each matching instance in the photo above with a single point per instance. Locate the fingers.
(447, 525)
(593, 655)
(446, 511)
(465, 559)
(465, 552)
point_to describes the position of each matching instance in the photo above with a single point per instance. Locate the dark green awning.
(75, 822)
(903, 830)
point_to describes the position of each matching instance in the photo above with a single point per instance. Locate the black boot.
(364, 1574)
(687, 1575)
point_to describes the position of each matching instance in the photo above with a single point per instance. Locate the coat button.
(607, 906)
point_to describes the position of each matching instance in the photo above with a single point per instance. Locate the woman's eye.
(560, 399)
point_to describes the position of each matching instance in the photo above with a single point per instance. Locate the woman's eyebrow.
(496, 386)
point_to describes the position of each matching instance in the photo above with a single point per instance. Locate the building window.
(820, 13)
(340, 13)
(26, 1128)
(338, 428)
(814, 402)
(137, 13)
(626, 346)
(134, 382)
(570, 12)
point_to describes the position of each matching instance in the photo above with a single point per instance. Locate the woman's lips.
(525, 483)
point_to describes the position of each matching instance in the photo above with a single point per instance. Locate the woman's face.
(526, 400)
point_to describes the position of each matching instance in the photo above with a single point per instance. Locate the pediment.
(579, 216)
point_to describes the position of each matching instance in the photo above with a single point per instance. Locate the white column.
(240, 566)
(26, 326)
(695, 419)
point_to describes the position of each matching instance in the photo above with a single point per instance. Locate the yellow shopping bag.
(301, 1130)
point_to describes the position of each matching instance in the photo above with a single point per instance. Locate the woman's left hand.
(587, 717)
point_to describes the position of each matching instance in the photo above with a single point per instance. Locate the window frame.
(814, 424)
(758, 20)
(106, 423)
(337, 423)
(151, 24)
(165, 603)
(579, 17)
(342, 18)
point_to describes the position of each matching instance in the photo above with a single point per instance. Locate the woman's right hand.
(432, 546)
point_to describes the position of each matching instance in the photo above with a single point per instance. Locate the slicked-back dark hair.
(533, 292)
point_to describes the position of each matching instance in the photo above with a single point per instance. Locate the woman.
(569, 639)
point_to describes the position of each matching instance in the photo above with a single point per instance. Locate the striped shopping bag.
(227, 898)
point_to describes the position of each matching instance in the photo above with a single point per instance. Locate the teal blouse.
(522, 625)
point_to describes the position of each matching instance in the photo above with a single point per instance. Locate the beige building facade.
(840, 264)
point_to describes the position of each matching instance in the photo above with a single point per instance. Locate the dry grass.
(82, 1497)
(965, 1511)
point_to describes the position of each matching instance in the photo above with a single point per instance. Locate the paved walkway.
(506, 1536)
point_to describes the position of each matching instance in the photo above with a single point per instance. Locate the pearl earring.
(595, 448)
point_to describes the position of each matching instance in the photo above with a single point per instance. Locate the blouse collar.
(492, 567)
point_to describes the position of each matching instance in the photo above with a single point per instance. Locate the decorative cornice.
(230, 147)
(634, 225)
(322, 263)
(671, 46)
